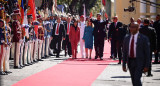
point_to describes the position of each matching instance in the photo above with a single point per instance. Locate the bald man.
(136, 53)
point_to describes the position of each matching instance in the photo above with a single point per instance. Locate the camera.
(129, 9)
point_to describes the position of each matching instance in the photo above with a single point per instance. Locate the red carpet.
(79, 72)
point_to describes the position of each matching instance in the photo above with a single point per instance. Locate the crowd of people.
(29, 43)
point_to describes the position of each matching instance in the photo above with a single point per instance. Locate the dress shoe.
(70, 55)
(101, 58)
(40, 60)
(149, 75)
(86, 57)
(10, 58)
(3, 73)
(8, 72)
(51, 54)
(119, 62)
(16, 67)
(26, 64)
(96, 57)
(89, 57)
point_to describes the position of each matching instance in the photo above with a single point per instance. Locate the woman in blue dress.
(88, 38)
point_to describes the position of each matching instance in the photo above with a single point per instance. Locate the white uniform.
(82, 44)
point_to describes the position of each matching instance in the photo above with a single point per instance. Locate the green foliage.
(76, 6)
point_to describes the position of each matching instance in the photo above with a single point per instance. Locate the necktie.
(132, 48)
(57, 32)
(68, 29)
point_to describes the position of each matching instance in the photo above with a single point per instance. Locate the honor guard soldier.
(40, 38)
(9, 44)
(17, 37)
(3, 41)
(30, 42)
(47, 26)
(26, 39)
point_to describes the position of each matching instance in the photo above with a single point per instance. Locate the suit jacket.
(156, 25)
(99, 28)
(74, 35)
(142, 51)
(115, 32)
(151, 34)
(66, 26)
(61, 31)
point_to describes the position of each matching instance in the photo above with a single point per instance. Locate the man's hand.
(83, 40)
(106, 15)
(145, 70)
(109, 39)
(63, 38)
(124, 69)
(51, 38)
(155, 51)
(90, 15)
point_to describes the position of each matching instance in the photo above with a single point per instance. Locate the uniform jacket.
(74, 35)
(142, 51)
(17, 32)
(40, 33)
(2, 37)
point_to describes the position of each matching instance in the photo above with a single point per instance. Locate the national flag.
(32, 10)
(104, 2)
(22, 10)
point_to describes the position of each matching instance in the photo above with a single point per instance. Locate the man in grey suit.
(136, 52)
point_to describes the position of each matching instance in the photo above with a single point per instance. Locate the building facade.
(141, 10)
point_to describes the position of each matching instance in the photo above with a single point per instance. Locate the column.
(153, 9)
(142, 8)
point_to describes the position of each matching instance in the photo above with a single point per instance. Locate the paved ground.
(111, 76)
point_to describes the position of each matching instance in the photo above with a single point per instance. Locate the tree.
(76, 6)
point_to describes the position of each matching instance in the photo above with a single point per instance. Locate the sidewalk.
(113, 75)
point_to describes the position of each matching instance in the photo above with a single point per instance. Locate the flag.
(25, 21)
(104, 2)
(22, 10)
(31, 9)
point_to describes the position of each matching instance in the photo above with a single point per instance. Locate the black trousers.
(135, 72)
(116, 48)
(56, 43)
(150, 64)
(157, 56)
(68, 45)
(99, 46)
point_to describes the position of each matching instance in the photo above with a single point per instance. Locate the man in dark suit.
(156, 25)
(67, 43)
(57, 34)
(116, 34)
(151, 34)
(99, 35)
(136, 53)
